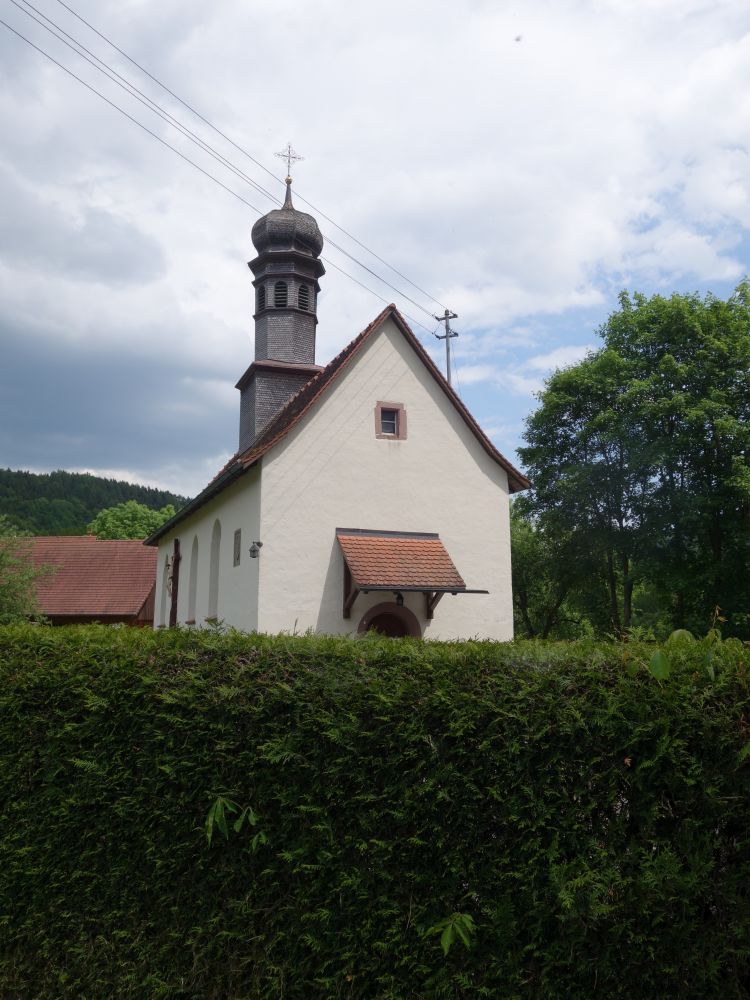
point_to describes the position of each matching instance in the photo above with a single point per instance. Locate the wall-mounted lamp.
(399, 599)
(254, 549)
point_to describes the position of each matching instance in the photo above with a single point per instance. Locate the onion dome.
(287, 229)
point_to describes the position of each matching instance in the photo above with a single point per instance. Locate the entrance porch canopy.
(399, 561)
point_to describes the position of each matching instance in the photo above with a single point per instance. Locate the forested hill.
(63, 503)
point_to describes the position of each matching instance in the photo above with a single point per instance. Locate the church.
(362, 495)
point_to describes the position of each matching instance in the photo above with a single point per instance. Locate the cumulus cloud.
(523, 189)
(96, 245)
(560, 357)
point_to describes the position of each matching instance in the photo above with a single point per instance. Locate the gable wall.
(333, 472)
(238, 506)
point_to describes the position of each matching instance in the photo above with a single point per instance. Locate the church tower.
(286, 273)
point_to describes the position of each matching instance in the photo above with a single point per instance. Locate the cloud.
(526, 378)
(478, 373)
(71, 412)
(524, 384)
(97, 245)
(560, 357)
(523, 189)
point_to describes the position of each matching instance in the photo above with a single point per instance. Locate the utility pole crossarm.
(446, 319)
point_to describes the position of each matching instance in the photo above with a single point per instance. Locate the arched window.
(261, 298)
(164, 591)
(213, 576)
(280, 295)
(193, 580)
(303, 297)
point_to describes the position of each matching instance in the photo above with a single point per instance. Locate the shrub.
(232, 816)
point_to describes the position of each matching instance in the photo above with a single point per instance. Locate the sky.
(523, 162)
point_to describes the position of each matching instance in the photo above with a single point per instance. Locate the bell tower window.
(261, 298)
(280, 295)
(303, 297)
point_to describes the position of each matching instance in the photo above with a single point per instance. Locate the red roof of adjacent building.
(93, 577)
(401, 560)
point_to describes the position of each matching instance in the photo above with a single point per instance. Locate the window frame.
(400, 411)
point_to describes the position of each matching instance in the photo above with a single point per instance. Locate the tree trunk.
(523, 606)
(614, 608)
(678, 618)
(627, 592)
(627, 603)
(552, 615)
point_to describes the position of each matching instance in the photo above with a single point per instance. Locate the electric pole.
(446, 318)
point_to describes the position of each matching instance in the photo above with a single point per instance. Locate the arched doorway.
(392, 620)
(213, 574)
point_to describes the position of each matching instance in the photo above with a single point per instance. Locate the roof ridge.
(296, 407)
(334, 362)
(448, 389)
(261, 446)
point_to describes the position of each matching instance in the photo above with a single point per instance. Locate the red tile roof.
(398, 559)
(93, 577)
(291, 414)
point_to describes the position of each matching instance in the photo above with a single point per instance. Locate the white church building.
(362, 495)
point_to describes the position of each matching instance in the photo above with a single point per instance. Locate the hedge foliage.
(579, 823)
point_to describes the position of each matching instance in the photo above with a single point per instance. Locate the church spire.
(291, 157)
(286, 273)
(288, 198)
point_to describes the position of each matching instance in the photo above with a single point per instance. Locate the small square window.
(390, 421)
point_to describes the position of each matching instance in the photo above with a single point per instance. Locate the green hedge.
(591, 820)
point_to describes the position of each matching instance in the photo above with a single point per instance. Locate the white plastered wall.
(237, 507)
(332, 471)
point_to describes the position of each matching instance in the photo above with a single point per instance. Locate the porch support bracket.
(431, 601)
(351, 592)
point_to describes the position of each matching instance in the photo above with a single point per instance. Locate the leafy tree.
(642, 452)
(17, 575)
(129, 520)
(544, 581)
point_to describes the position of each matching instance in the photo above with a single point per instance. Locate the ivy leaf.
(659, 665)
(709, 664)
(259, 839)
(464, 925)
(210, 824)
(217, 817)
(448, 937)
(220, 817)
(458, 926)
(682, 635)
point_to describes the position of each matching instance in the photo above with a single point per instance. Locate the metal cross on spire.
(291, 157)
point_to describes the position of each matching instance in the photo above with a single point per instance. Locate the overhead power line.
(182, 155)
(124, 84)
(117, 78)
(249, 155)
(202, 170)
